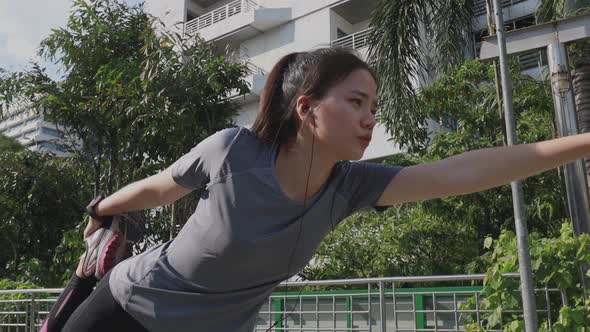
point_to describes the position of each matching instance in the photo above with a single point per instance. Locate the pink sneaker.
(110, 244)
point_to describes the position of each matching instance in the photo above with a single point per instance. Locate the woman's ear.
(305, 107)
(302, 107)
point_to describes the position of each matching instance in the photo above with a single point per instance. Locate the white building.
(31, 130)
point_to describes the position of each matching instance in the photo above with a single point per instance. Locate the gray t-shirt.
(236, 247)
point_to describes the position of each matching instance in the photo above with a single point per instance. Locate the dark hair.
(310, 73)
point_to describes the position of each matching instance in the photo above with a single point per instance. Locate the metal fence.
(354, 41)
(479, 6)
(231, 9)
(381, 306)
(27, 310)
(375, 304)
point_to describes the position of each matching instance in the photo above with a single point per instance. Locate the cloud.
(24, 23)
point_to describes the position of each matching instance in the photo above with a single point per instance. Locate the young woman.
(269, 195)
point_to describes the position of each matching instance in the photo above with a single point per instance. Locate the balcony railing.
(354, 41)
(374, 304)
(254, 69)
(222, 13)
(479, 6)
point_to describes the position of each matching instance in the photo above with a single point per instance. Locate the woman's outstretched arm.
(482, 169)
(156, 190)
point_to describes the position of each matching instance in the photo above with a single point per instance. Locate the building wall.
(171, 12)
(31, 130)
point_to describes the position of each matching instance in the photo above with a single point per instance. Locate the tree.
(9, 144)
(39, 198)
(445, 236)
(555, 263)
(137, 99)
(409, 40)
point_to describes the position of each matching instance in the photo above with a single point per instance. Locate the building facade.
(31, 130)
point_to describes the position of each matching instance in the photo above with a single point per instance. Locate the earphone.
(309, 111)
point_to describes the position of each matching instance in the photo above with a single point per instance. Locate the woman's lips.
(365, 140)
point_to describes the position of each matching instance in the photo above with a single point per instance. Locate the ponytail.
(272, 112)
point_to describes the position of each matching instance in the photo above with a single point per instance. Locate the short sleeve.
(196, 168)
(364, 182)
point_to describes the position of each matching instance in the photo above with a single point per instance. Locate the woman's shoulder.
(244, 150)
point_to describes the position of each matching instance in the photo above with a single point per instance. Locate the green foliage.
(445, 236)
(7, 284)
(401, 241)
(39, 198)
(137, 99)
(556, 263)
(9, 144)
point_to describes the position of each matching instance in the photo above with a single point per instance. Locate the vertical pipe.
(31, 314)
(563, 99)
(564, 301)
(575, 172)
(524, 258)
(381, 305)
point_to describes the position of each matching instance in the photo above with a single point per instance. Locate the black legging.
(80, 309)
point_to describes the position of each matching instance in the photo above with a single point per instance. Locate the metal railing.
(479, 6)
(381, 306)
(374, 304)
(254, 69)
(217, 15)
(355, 41)
(28, 311)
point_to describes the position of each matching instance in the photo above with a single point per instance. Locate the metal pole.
(381, 306)
(31, 315)
(574, 173)
(563, 99)
(524, 258)
(492, 31)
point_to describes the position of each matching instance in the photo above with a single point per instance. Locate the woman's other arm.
(482, 169)
(156, 190)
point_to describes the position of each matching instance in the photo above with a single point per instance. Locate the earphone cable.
(298, 234)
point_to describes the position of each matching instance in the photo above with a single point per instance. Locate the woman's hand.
(91, 227)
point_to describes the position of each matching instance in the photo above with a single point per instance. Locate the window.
(340, 33)
(51, 132)
(52, 146)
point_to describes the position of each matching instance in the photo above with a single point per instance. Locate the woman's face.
(345, 116)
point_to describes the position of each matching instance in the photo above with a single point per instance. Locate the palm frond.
(451, 22)
(550, 10)
(405, 35)
(396, 55)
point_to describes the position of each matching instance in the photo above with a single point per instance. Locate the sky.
(24, 23)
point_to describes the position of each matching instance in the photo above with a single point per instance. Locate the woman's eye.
(357, 102)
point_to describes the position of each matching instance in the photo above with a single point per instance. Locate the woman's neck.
(295, 164)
